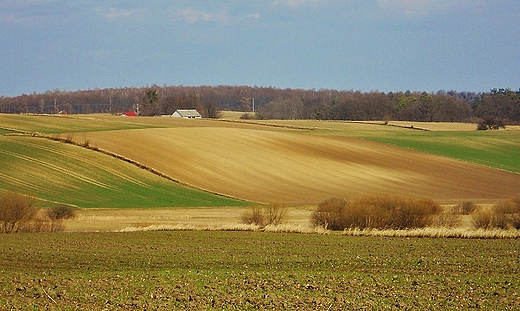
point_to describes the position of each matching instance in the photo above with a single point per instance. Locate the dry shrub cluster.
(19, 214)
(16, 212)
(273, 214)
(448, 218)
(376, 212)
(53, 217)
(503, 215)
(451, 216)
(466, 208)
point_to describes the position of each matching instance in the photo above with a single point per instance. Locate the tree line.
(274, 103)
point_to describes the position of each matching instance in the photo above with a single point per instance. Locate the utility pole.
(253, 104)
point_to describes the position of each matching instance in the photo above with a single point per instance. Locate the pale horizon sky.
(385, 45)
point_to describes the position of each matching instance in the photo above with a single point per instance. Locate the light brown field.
(119, 219)
(289, 166)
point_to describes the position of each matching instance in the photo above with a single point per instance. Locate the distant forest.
(274, 103)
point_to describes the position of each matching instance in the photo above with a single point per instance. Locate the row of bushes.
(394, 212)
(18, 213)
(503, 215)
(265, 216)
(375, 211)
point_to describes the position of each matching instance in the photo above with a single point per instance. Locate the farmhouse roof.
(129, 114)
(186, 113)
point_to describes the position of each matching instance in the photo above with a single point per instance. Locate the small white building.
(186, 114)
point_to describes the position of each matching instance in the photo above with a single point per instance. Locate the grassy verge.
(251, 270)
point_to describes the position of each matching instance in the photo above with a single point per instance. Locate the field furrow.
(19, 183)
(58, 168)
(289, 162)
(86, 161)
(296, 167)
(57, 172)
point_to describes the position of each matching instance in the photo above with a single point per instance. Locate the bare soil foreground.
(198, 270)
(298, 166)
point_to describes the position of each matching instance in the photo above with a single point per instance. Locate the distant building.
(186, 114)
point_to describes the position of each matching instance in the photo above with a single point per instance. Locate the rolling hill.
(59, 173)
(287, 162)
(298, 166)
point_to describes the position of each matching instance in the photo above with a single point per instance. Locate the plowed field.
(292, 166)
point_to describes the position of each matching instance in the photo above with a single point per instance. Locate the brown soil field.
(291, 167)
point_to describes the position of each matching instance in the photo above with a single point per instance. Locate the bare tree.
(16, 212)
(253, 217)
(274, 214)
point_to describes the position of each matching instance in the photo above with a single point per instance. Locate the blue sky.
(385, 45)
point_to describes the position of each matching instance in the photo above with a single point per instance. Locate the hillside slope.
(56, 172)
(263, 164)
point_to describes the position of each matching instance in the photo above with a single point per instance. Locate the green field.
(56, 172)
(498, 149)
(248, 271)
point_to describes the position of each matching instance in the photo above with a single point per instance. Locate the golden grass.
(286, 228)
(237, 227)
(104, 220)
(437, 233)
(288, 166)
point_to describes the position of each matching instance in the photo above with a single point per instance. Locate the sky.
(366, 45)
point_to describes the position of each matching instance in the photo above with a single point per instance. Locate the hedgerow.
(503, 215)
(375, 212)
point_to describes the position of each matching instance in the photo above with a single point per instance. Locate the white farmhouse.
(186, 114)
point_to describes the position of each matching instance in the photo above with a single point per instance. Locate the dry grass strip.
(284, 228)
(437, 233)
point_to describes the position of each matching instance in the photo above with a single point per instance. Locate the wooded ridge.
(274, 103)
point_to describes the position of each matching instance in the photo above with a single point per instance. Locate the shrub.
(61, 212)
(503, 215)
(330, 214)
(490, 123)
(510, 211)
(466, 208)
(254, 216)
(269, 215)
(274, 214)
(16, 212)
(376, 212)
(69, 139)
(449, 218)
(488, 219)
(40, 223)
(56, 215)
